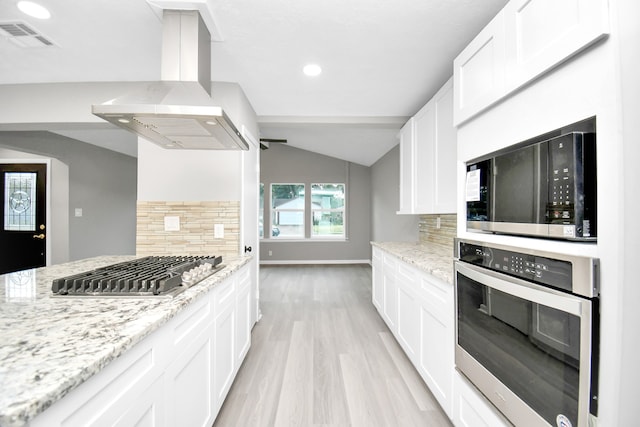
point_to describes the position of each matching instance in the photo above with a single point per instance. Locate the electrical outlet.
(270, 253)
(218, 231)
(171, 223)
(438, 223)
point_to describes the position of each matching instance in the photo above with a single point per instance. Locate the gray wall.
(285, 164)
(386, 225)
(101, 182)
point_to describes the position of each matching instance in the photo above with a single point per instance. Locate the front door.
(23, 229)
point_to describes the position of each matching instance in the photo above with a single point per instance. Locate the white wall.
(197, 175)
(386, 225)
(590, 84)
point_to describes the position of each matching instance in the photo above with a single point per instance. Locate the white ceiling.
(382, 60)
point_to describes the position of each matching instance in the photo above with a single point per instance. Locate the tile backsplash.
(428, 231)
(196, 234)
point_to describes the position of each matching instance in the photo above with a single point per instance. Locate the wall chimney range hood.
(178, 111)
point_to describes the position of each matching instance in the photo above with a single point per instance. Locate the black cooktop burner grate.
(152, 275)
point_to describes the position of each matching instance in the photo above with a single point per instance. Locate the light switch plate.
(218, 231)
(78, 212)
(171, 223)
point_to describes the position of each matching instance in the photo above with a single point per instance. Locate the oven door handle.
(522, 289)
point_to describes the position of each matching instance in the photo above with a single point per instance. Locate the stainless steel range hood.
(178, 112)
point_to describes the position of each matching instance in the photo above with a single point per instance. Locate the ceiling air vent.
(23, 35)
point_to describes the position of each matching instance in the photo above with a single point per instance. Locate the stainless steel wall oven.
(527, 331)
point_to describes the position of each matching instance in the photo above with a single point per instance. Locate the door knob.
(39, 236)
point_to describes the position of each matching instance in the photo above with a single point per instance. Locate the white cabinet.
(377, 278)
(526, 39)
(243, 316)
(428, 157)
(224, 360)
(389, 292)
(178, 375)
(478, 71)
(471, 409)
(543, 33)
(408, 332)
(189, 381)
(406, 168)
(436, 364)
(418, 309)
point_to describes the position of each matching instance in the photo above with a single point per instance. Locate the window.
(327, 210)
(20, 198)
(287, 211)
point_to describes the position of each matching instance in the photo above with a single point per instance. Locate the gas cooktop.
(149, 276)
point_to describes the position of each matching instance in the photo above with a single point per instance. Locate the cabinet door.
(224, 354)
(543, 33)
(377, 279)
(190, 383)
(408, 312)
(146, 410)
(471, 409)
(424, 158)
(444, 152)
(406, 168)
(390, 293)
(436, 345)
(243, 316)
(479, 71)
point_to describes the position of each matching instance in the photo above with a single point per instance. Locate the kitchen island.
(62, 352)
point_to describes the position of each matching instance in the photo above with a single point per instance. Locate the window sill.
(314, 239)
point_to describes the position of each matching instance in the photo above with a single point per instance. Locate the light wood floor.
(322, 356)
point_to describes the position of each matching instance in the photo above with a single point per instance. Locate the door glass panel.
(531, 348)
(20, 201)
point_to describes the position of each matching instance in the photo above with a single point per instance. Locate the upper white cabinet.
(428, 158)
(406, 168)
(479, 71)
(526, 39)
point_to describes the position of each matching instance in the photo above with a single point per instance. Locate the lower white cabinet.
(408, 333)
(189, 382)
(389, 291)
(437, 339)
(377, 278)
(470, 409)
(178, 375)
(418, 309)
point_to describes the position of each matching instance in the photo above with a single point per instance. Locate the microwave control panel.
(545, 271)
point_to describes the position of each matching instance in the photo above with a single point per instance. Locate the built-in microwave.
(543, 189)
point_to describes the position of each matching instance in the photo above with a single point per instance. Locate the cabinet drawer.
(438, 297)
(224, 295)
(190, 321)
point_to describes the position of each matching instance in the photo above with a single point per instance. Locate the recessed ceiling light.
(123, 120)
(312, 70)
(34, 10)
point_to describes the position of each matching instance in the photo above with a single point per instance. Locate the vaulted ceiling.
(381, 60)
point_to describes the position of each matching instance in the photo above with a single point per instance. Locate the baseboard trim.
(317, 261)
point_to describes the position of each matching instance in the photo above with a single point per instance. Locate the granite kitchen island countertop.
(433, 258)
(50, 345)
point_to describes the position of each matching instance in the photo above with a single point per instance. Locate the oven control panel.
(545, 271)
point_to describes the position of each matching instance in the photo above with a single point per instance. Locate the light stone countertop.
(432, 258)
(50, 345)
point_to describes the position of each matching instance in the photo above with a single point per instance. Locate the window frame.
(342, 210)
(273, 211)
